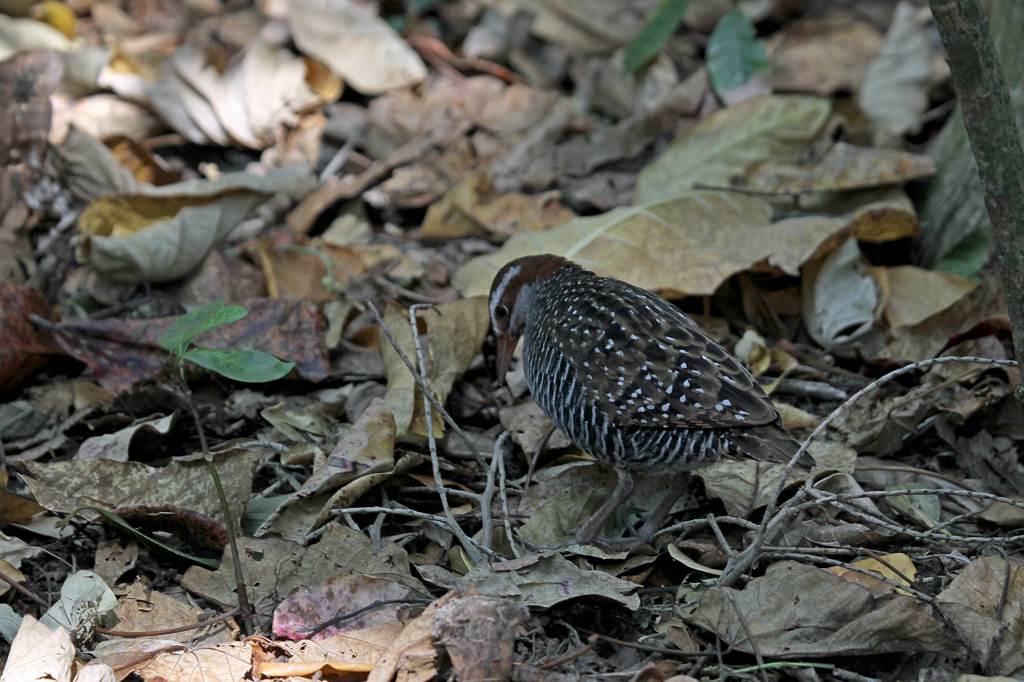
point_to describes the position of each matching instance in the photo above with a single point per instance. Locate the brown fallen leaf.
(474, 208)
(24, 347)
(822, 55)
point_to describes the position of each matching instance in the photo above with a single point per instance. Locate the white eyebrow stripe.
(500, 289)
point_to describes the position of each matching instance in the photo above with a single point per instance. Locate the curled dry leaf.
(479, 634)
(39, 652)
(474, 208)
(27, 79)
(894, 92)
(359, 46)
(985, 605)
(160, 234)
(822, 55)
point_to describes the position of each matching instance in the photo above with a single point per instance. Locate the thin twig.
(739, 564)
(435, 463)
(424, 385)
(502, 494)
(245, 610)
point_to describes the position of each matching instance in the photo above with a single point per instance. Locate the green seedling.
(250, 366)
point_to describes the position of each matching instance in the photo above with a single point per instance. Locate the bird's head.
(512, 293)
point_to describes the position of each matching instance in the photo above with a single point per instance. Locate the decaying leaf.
(122, 352)
(24, 348)
(65, 486)
(310, 606)
(842, 167)
(985, 605)
(796, 610)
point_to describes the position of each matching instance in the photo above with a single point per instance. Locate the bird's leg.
(653, 523)
(623, 489)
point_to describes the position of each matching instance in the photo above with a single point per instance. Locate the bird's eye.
(500, 312)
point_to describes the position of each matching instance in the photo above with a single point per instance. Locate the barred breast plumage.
(625, 374)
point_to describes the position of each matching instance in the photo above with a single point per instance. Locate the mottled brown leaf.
(122, 352)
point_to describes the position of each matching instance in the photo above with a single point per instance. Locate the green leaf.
(662, 23)
(250, 366)
(734, 52)
(968, 255)
(187, 327)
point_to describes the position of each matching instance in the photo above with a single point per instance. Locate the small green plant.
(660, 26)
(250, 366)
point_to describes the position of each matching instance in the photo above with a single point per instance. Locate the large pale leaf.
(722, 145)
(356, 44)
(686, 245)
(454, 336)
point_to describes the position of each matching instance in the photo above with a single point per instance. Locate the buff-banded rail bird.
(629, 378)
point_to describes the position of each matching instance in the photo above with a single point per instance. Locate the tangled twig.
(774, 514)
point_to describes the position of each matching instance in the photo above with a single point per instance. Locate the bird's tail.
(771, 443)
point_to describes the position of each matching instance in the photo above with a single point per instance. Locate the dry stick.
(996, 143)
(168, 631)
(739, 564)
(487, 497)
(507, 520)
(24, 591)
(435, 462)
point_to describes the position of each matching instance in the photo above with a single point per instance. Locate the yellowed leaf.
(899, 561)
(915, 293)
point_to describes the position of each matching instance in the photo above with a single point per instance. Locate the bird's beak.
(506, 344)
